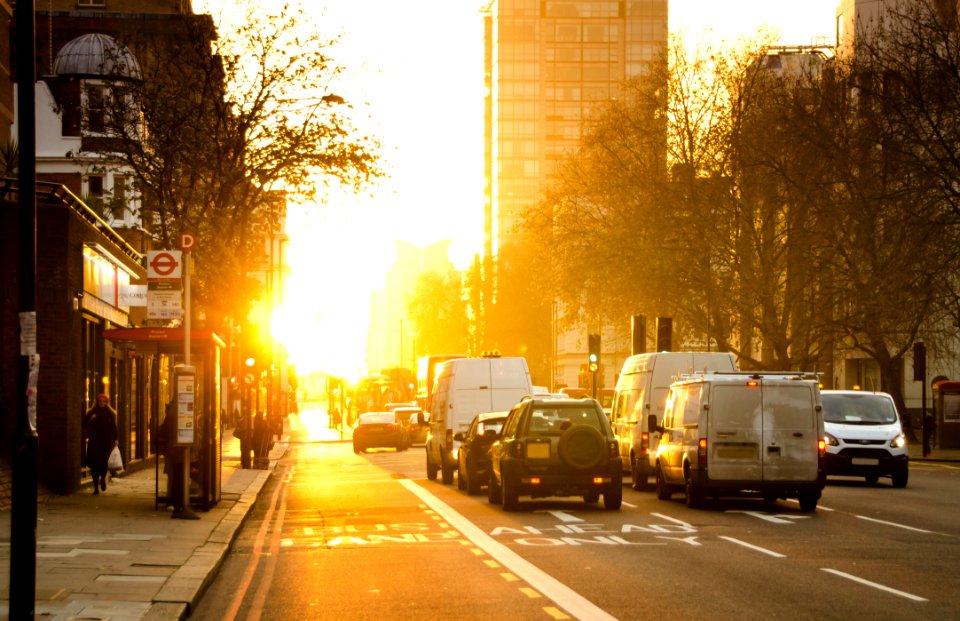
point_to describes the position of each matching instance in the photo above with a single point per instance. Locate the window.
(95, 185)
(118, 199)
(91, 3)
(96, 108)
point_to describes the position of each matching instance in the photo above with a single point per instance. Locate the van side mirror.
(652, 424)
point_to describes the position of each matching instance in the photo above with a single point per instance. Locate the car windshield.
(554, 421)
(377, 417)
(863, 409)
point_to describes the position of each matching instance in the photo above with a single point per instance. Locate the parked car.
(379, 430)
(417, 422)
(473, 459)
(556, 447)
(864, 436)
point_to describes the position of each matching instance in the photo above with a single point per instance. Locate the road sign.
(187, 242)
(164, 264)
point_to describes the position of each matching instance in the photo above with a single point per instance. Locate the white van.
(730, 433)
(641, 391)
(864, 436)
(465, 387)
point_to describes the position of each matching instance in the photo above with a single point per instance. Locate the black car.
(379, 430)
(473, 458)
(556, 447)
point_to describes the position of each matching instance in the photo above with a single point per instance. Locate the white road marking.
(903, 526)
(563, 516)
(561, 594)
(753, 547)
(875, 585)
(778, 518)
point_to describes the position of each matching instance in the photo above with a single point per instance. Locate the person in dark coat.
(172, 457)
(261, 440)
(100, 429)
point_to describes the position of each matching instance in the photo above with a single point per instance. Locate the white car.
(864, 436)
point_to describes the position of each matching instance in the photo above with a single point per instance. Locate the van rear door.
(789, 432)
(735, 431)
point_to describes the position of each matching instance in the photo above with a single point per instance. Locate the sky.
(416, 67)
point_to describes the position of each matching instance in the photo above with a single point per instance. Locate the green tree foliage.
(227, 130)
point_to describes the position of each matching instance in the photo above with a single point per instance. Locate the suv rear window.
(556, 420)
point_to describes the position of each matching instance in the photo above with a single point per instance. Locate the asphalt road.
(341, 536)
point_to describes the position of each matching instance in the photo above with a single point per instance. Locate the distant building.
(549, 64)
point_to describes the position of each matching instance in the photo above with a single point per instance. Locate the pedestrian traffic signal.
(593, 355)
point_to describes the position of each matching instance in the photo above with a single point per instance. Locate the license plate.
(865, 461)
(538, 451)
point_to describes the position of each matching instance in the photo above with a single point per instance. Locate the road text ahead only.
(576, 532)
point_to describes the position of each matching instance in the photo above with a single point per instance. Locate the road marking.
(509, 577)
(753, 547)
(491, 563)
(556, 613)
(776, 518)
(531, 593)
(875, 585)
(631, 505)
(903, 526)
(568, 599)
(563, 516)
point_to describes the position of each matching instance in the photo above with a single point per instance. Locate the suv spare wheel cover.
(582, 447)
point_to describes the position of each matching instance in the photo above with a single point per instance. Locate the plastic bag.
(115, 461)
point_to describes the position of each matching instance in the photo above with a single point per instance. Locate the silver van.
(641, 391)
(730, 433)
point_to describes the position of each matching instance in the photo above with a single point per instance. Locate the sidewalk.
(114, 557)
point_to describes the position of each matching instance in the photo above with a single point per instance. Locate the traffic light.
(593, 355)
(664, 333)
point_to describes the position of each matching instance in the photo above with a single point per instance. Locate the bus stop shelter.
(166, 345)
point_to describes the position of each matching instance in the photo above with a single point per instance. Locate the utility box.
(946, 403)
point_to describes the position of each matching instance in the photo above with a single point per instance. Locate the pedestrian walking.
(100, 430)
(261, 440)
(244, 432)
(172, 457)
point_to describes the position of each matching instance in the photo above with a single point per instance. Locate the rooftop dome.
(96, 56)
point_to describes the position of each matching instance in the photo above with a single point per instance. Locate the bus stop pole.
(185, 513)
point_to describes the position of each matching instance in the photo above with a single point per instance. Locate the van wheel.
(808, 501)
(509, 496)
(663, 490)
(613, 497)
(638, 480)
(694, 495)
(493, 490)
(446, 472)
(900, 478)
(431, 468)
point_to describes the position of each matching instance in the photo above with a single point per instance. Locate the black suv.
(556, 447)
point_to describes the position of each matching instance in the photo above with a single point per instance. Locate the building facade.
(549, 64)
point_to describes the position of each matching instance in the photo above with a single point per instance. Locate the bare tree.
(220, 139)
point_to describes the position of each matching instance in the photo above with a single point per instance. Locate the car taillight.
(516, 450)
(821, 452)
(449, 439)
(702, 453)
(644, 443)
